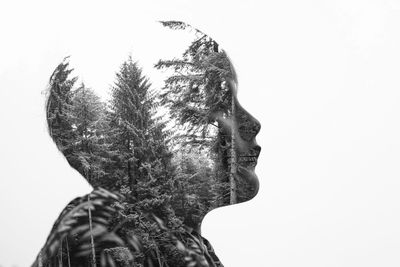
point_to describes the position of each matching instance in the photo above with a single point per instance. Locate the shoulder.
(100, 204)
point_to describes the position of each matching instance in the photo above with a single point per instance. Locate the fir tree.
(88, 121)
(142, 158)
(131, 106)
(201, 96)
(59, 104)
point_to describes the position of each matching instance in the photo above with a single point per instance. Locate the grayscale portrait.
(159, 158)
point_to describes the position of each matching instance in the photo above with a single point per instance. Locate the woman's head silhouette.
(175, 152)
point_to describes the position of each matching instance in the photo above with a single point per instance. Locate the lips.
(248, 161)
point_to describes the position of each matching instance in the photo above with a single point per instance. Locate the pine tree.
(142, 159)
(59, 104)
(88, 121)
(131, 106)
(76, 121)
(201, 97)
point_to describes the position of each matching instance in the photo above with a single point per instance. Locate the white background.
(321, 76)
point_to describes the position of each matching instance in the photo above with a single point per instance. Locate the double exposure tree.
(140, 155)
(74, 117)
(159, 195)
(59, 105)
(131, 123)
(88, 118)
(201, 97)
(77, 123)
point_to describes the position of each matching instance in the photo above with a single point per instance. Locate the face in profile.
(175, 151)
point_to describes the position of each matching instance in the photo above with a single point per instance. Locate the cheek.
(242, 146)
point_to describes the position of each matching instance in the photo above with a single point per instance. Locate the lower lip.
(248, 164)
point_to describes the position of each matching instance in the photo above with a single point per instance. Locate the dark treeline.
(153, 184)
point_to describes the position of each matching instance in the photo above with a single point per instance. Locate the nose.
(256, 150)
(249, 126)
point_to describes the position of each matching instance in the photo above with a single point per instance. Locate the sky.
(320, 76)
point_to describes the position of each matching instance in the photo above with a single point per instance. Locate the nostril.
(257, 128)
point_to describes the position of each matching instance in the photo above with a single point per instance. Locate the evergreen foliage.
(199, 95)
(59, 104)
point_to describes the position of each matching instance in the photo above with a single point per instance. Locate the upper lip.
(253, 152)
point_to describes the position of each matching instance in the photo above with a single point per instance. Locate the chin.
(252, 183)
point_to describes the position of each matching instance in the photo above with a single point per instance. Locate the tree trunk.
(60, 262)
(69, 260)
(130, 175)
(130, 170)
(232, 174)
